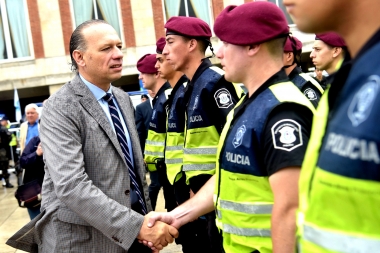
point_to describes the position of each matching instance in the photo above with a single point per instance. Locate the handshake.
(158, 230)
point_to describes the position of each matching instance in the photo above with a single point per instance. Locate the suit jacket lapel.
(91, 105)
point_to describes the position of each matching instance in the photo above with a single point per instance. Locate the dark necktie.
(124, 147)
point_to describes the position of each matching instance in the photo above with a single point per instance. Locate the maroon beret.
(189, 27)
(331, 38)
(251, 23)
(146, 64)
(160, 44)
(290, 43)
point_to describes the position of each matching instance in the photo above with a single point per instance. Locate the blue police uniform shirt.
(32, 132)
(99, 94)
(351, 143)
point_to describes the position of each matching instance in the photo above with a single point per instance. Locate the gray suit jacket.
(85, 196)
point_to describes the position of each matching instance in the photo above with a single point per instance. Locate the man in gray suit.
(94, 194)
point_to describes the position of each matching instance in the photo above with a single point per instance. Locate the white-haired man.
(29, 128)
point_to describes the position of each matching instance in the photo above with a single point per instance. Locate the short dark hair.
(78, 42)
(144, 96)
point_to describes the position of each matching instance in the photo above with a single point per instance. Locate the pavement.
(12, 218)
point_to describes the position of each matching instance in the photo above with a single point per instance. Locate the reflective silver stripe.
(171, 148)
(200, 151)
(155, 143)
(339, 242)
(160, 154)
(219, 214)
(246, 208)
(246, 231)
(174, 161)
(195, 167)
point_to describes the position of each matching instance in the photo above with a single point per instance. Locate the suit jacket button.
(126, 192)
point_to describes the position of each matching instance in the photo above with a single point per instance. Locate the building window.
(14, 30)
(189, 8)
(280, 4)
(107, 10)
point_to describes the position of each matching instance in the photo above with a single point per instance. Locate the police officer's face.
(175, 51)
(322, 55)
(233, 60)
(148, 80)
(318, 16)
(164, 68)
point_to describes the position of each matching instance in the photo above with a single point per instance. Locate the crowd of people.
(292, 164)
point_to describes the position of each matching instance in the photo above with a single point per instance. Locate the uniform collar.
(164, 87)
(295, 72)
(279, 77)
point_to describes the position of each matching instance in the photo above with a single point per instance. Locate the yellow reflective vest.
(243, 196)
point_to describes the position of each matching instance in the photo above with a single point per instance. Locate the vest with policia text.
(340, 177)
(175, 136)
(243, 197)
(201, 134)
(155, 142)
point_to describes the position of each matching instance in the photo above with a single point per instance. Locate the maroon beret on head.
(331, 38)
(146, 64)
(251, 23)
(189, 27)
(289, 44)
(160, 44)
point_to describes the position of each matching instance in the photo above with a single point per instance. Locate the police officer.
(5, 138)
(263, 143)
(328, 52)
(208, 99)
(155, 142)
(292, 61)
(340, 179)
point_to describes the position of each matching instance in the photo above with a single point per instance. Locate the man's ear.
(193, 44)
(78, 58)
(253, 49)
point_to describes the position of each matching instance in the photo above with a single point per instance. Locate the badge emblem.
(287, 135)
(310, 94)
(236, 142)
(223, 98)
(362, 103)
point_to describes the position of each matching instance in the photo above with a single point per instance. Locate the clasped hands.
(158, 230)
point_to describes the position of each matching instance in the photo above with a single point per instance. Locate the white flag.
(17, 106)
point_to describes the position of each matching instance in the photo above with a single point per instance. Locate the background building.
(35, 34)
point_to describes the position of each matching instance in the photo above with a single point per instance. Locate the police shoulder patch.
(287, 135)
(223, 98)
(310, 94)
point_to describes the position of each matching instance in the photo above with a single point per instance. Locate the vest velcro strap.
(195, 167)
(339, 242)
(200, 151)
(155, 143)
(173, 148)
(246, 208)
(246, 231)
(156, 154)
(174, 161)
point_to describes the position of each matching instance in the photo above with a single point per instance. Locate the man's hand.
(159, 235)
(168, 218)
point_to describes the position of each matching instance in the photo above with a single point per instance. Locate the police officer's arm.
(200, 204)
(286, 136)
